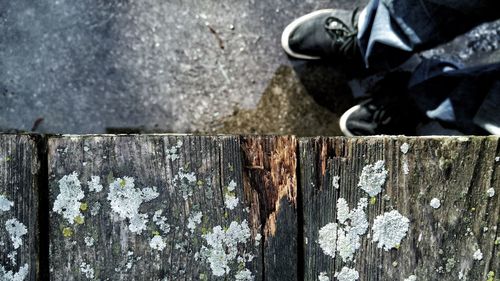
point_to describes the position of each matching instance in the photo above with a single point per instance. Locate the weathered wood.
(19, 171)
(267, 205)
(192, 174)
(270, 179)
(459, 240)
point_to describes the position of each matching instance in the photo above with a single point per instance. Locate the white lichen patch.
(87, 270)
(94, 184)
(328, 239)
(157, 243)
(347, 274)
(323, 276)
(16, 230)
(126, 200)
(450, 264)
(230, 199)
(406, 169)
(161, 221)
(130, 260)
(222, 246)
(127, 262)
(335, 181)
(189, 177)
(435, 203)
(185, 183)
(231, 187)
(182, 246)
(478, 255)
(405, 147)
(345, 237)
(411, 278)
(244, 275)
(96, 207)
(194, 220)
(258, 237)
(68, 200)
(7, 275)
(358, 218)
(373, 178)
(347, 243)
(246, 257)
(5, 204)
(342, 210)
(354, 224)
(490, 192)
(389, 229)
(89, 241)
(173, 150)
(12, 257)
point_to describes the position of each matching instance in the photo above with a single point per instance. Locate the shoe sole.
(343, 121)
(285, 44)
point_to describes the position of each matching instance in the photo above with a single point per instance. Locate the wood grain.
(19, 183)
(267, 197)
(118, 254)
(440, 243)
(270, 179)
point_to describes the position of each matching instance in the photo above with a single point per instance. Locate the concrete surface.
(85, 66)
(93, 66)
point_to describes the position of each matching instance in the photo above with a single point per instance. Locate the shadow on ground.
(287, 107)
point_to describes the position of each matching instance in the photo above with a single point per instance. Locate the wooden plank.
(270, 179)
(459, 240)
(113, 233)
(19, 171)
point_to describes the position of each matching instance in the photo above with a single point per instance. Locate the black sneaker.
(387, 110)
(322, 34)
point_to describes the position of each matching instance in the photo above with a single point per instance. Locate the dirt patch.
(287, 108)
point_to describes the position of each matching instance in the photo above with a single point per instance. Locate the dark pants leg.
(403, 27)
(472, 94)
(393, 30)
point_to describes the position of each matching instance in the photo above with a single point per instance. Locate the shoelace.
(343, 34)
